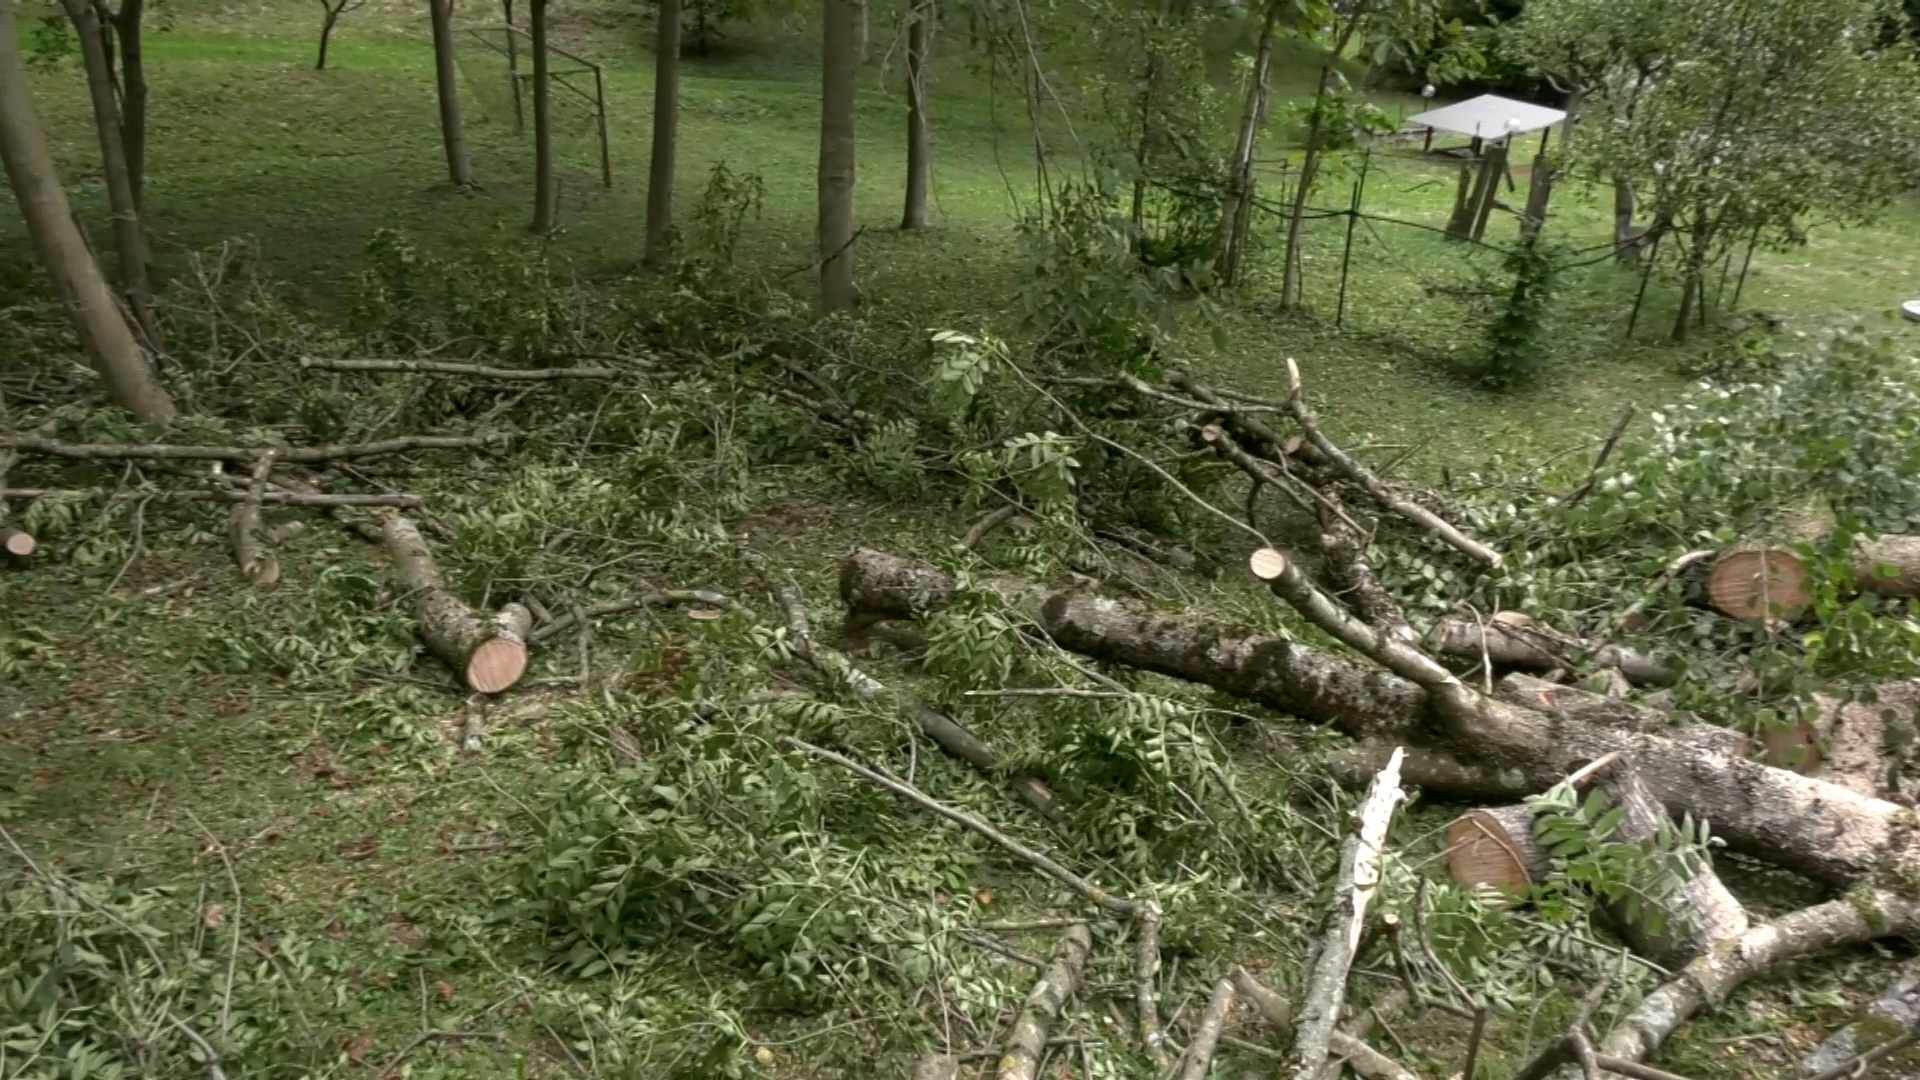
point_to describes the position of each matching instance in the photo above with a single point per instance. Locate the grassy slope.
(112, 733)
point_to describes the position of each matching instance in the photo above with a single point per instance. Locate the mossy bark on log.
(489, 653)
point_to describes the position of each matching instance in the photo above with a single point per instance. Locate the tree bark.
(1309, 164)
(327, 23)
(447, 82)
(839, 58)
(919, 144)
(129, 237)
(1806, 825)
(130, 378)
(1020, 1060)
(546, 195)
(127, 25)
(488, 653)
(666, 133)
(1511, 640)
(1226, 260)
(1626, 239)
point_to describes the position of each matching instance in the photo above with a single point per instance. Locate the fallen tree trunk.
(1802, 824)
(1498, 846)
(1889, 566)
(16, 543)
(488, 653)
(1509, 639)
(1020, 1060)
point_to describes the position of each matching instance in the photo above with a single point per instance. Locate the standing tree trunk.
(1626, 241)
(133, 96)
(666, 132)
(1309, 165)
(920, 14)
(128, 236)
(545, 196)
(447, 81)
(1240, 180)
(333, 10)
(839, 54)
(131, 381)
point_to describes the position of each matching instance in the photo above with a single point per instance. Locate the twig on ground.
(1373, 485)
(441, 367)
(214, 1072)
(1100, 897)
(233, 953)
(429, 1035)
(1367, 1061)
(988, 522)
(1146, 970)
(299, 455)
(705, 598)
(267, 498)
(1579, 494)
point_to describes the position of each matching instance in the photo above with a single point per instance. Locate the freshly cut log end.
(501, 660)
(17, 542)
(1494, 846)
(1759, 585)
(1267, 564)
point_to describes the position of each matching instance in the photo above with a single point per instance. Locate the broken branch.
(489, 654)
(477, 371)
(1207, 1037)
(299, 455)
(1028, 1039)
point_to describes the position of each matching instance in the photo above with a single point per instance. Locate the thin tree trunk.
(133, 96)
(447, 80)
(326, 33)
(128, 236)
(1309, 164)
(1692, 288)
(919, 149)
(1240, 180)
(666, 131)
(545, 197)
(1625, 245)
(839, 51)
(110, 344)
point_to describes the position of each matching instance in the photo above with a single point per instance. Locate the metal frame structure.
(514, 36)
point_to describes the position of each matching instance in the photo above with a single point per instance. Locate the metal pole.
(1346, 255)
(600, 115)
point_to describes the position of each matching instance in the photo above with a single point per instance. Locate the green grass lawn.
(355, 824)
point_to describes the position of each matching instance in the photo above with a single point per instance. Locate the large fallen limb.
(1373, 485)
(475, 371)
(948, 734)
(1359, 877)
(299, 455)
(1862, 915)
(1512, 640)
(267, 498)
(489, 654)
(1207, 1036)
(1803, 824)
(1028, 1040)
(256, 561)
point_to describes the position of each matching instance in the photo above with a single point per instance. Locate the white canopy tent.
(1488, 116)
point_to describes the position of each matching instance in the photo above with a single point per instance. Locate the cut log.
(937, 1067)
(488, 653)
(1020, 1059)
(1799, 823)
(18, 543)
(1762, 578)
(1888, 566)
(1495, 847)
(1514, 640)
